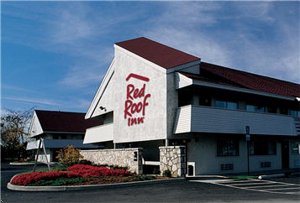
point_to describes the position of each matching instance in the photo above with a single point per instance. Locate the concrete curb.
(88, 187)
(20, 164)
(278, 175)
(28, 163)
(206, 177)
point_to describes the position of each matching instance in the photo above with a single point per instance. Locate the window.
(228, 147)
(254, 108)
(295, 148)
(284, 110)
(272, 109)
(226, 104)
(263, 147)
(293, 113)
(204, 101)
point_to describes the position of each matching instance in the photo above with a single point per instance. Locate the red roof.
(157, 53)
(57, 121)
(250, 80)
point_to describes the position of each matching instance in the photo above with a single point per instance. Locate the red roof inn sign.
(136, 100)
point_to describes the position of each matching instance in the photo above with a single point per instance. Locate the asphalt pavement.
(182, 191)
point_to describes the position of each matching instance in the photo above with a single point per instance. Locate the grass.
(59, 182)
(236, 178)
(55, 167)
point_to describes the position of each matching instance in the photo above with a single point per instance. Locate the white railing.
(102, 133)
(212, 120)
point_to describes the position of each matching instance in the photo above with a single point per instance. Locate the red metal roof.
(250, 80)
(168, 57)
(157, 53)
(71, 122)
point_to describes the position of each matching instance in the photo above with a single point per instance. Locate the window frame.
(226, 104)
(224, 148)
(263, 148)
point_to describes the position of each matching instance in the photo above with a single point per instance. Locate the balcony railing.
(102, 133)
(213, 120)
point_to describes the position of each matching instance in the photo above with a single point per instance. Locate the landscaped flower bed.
(78, 174)
(91, 171)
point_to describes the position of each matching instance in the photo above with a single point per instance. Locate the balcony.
(59, 143)
(213, 120)
(102, 133)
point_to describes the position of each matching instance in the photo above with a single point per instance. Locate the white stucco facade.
(159, 90)
(142, 103)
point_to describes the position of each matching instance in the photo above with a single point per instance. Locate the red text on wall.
(136, 99)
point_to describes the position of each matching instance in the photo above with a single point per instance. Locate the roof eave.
(243, 90)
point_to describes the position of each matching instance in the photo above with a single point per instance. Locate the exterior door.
(285, 156)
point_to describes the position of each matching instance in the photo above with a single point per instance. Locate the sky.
(55, 54)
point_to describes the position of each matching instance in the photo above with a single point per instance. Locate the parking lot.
(289, 186)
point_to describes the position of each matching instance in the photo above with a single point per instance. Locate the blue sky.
(54, 54)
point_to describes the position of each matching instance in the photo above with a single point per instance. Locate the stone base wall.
(129, 157)
(173, 158)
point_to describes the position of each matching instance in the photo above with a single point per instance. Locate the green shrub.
(118, 167)
(58, 167)
(69, 156)
(86, 162)
(143, 177)
(167, 173)
(58, 181)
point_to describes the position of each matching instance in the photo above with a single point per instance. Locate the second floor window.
(254, 108)
(294, 113)
(226, 104)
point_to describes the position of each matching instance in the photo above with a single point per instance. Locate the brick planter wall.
(130, 157)
(173, 158)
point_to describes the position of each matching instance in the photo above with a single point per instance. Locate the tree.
(14, 132)
(69, 155)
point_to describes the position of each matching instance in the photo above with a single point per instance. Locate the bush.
(143, 177)
(90, 171)
(118, 167)
(69, 156)
(58, 167)
(59, 181)
(167, 173)
(28, 178)
(86, 162)
(74, 174)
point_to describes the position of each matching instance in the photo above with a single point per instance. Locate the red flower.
(89, 171)
(25, 179)
(77, 170)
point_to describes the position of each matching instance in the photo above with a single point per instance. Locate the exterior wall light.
(102, 108)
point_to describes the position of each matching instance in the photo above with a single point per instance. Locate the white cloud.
(32, 100)
(81, 76)
(192, 42)
(202, 29)
(71, 25)
(180, 27)
(232, 34)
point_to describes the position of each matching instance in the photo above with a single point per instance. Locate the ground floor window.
(263, 147)
(295, 148)
(228, 147)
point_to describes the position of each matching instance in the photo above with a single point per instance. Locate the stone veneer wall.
(173, 158)
(130, 157)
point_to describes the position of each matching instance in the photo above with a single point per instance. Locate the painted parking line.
(270, 186)
(257, 185)
(289, 188)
